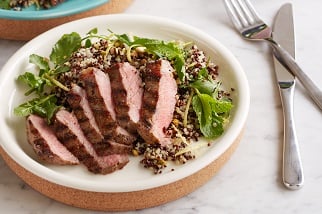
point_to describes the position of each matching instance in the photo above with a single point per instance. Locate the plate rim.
(244, 105)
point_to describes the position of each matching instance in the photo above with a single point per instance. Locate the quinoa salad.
(202, 108)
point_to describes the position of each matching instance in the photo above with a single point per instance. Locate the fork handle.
(289, 63)
(293, 176)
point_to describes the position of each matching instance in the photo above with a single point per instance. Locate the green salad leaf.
(162, 49)
(211, 114)
(36, 83)
(65, 46)
(43, 106)
(204, 86)
(211, 110)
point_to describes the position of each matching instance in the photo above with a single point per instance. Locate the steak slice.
(70, 134)
(111, 147)
(159, 102)
(45, 143)
(98, 90)
(123, 137)
(99, 94)
(77, 99)
(127, 92)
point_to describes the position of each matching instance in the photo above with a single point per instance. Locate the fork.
(251, 27)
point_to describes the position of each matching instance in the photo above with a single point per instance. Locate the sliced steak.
(127, 92)
(77, 99)
(123, 137)
(45, 143)
(68, 131)
(111, 147)
(98, 88)
(158, 102)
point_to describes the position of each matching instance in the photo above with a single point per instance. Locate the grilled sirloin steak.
(68, 131)
(158, 102)
(127, 92)
(110, 147)
(77, 99)
(45, 143)
(98, 88)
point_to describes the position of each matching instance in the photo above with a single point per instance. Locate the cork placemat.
(27, 29)
(121, 201)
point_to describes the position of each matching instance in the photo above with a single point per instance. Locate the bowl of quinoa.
(25, 19)
(152, 172)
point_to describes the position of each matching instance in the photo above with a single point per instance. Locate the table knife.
(283, 33)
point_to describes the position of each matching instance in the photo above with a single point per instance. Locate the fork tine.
(234, 14)
(252, 10)
(242, 13)
(246, 12)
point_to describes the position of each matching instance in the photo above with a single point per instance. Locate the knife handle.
(289, 63)
(293, 177)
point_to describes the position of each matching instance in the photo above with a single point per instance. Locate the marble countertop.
(250, 182)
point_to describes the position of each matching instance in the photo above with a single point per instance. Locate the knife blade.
(283, 33)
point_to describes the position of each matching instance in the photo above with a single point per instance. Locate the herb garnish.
(46, 105)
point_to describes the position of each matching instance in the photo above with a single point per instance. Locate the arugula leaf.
(41, 62)
(64, 48)
(222, 106)
(162, 49)
(92, 31)
(42, 106)
(36, 83)
(45, 105)
(203, 73)
(210, 113)
(204, 86)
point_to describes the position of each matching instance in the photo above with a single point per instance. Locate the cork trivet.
(121, 201)
(27, 29)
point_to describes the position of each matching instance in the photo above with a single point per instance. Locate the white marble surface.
(251, 181)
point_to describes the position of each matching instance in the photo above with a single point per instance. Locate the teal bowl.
(30, 22)
(67, 8)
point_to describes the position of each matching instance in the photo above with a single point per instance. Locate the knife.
(283, 33)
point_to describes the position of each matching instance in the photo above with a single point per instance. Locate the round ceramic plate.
(133, 177)
(67, 8)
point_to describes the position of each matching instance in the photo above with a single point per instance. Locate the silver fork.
(251, 27)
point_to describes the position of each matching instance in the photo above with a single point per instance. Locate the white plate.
(133, 177)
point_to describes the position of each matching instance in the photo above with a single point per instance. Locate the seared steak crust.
(158, 102)
(45, 144)
(127, 92)
(77, 99)
(99, 93)
(109, 148)
(97, 86)
(71, 135)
